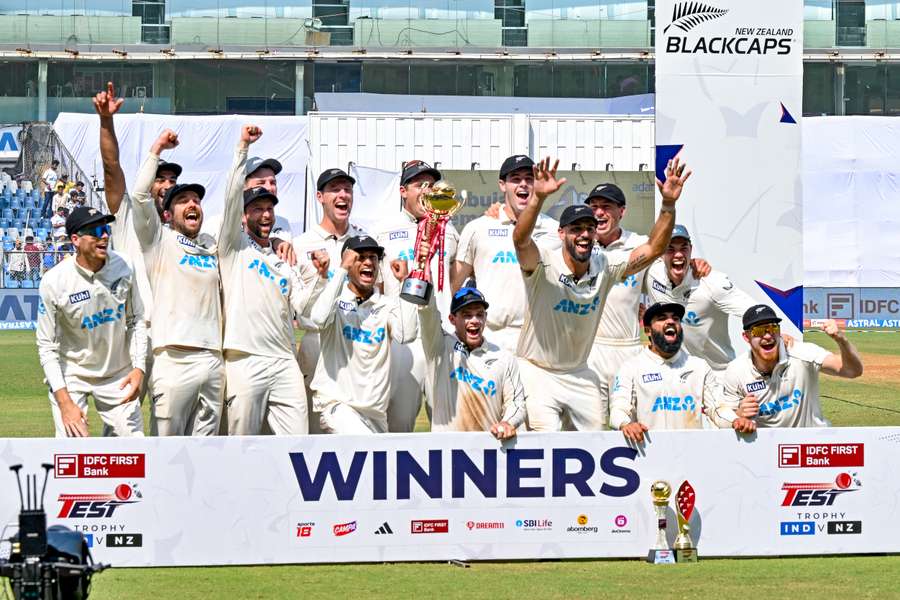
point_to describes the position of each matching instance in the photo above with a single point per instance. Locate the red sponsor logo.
(97, 506)
(305, 529)
(344, 528)
(791, 456)
(484, 525)
(123, 466)
(429, 526)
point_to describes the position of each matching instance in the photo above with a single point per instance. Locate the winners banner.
(419, 497)
(729, 78)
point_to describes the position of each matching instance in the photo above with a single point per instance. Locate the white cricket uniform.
(91, 333)
(560, 325)
(788, 397)
(672, 393)
(708, 302)
(398, 237)
(472, 389)
(261, 293)
(186, 323)
(353, 371)
(486, 244)
(618, 336)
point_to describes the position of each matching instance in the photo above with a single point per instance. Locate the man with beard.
(397, 235)
(486, 251)
(708, 301)
(186, 323)
(91, 334)
(566, 292)
(664, 387)
(778, 386)
(261, 293)
(352, 384)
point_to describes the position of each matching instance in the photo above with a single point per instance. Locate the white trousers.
(570, 398)
(307, 358)
(407, 386)
(340, 418)
(605, 361)
(121, 420)
(263, 390)
(187, 392)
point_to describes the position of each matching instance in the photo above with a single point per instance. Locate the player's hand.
(494, 210)
(788, 340)
(700, 268)
(831, 329)
(634, 432)
(676, 176)
(545, 181)
(134, 379)
(742, 425)
(284, 251)
(400, 269)
(503, 431)
(424, 249)
(249, 134)
(73, 418)
(749, 406)
(320, 261)
(349, 258)
(167, 140)
(106, 104)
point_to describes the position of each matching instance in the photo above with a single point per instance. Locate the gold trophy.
(684, 502)
(440, 202)
(660, 553)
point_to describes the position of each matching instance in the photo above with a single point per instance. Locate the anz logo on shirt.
(674, 404)
(567, 306)
(505, 257)
(364, 336)
(630, 281)
(691, 318)
(102, 317)
(199, 261)
(463, 375)
(786, 402)
(262, 269)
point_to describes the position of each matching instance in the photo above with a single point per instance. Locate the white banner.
(729, 76)
(414, 497)
(9, 142)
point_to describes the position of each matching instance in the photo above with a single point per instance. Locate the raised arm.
(147, 225)
(322, 313)
(402, 320)
(644, 255)
(106, 104)
(545, 183)
(230, 229)
(304, 295)
(846, 364)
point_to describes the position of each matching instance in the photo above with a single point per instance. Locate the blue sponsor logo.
(89, 539)
(398, 235)
(575, 308)
(798, 528)
(651, 377)
(200, 261)
(506, 257)
(364, 336)
(498, 232)
(756, 386)
(102, 317)
(786, 402)
(462, 374)
(262, 269)
(674, 404)
(79, 297)
(630, 281)
(691, 318)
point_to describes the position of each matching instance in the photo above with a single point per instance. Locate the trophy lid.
(660, 491)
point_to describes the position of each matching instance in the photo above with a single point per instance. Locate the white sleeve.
(711, 395)
(430, 328)
(617, 263)
(465, 249)
(727, 296)
(229, 240)
(322, 313)
(728, 397)
(622, 399)
(403, 321)
(136, 326)
(304, 295)
(513, 394)
(47, 340)
(810, 353)
(147, 225)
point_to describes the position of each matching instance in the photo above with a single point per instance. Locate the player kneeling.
(352, 385)
(664, 387)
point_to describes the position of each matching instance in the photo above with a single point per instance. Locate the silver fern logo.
(687, 15)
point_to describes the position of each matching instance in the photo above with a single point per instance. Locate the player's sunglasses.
(96, 231)
(764, 328)
(464, 291)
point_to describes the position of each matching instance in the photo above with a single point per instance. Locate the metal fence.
(24, 268)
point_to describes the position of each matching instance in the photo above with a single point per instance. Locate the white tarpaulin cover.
(415, 497)
(206, 151)
(851, 191)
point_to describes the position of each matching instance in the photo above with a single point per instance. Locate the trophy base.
(686, 555)
(661, 557)
(417, 291)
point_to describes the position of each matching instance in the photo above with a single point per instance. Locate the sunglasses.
(463, 291)
(97, 231)
(763, 329)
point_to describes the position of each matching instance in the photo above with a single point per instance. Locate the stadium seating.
(7, 214)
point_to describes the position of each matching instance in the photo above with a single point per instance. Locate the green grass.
(846, 403)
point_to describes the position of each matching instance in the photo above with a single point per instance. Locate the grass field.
(870, 400)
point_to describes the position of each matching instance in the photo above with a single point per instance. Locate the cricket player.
(352, 384)
(261, 294)
(397, 235)
(186, 323)
(779, 387)
(486, 252)
(664, 387)
(91, 333)
(566, 291)
(708, 301)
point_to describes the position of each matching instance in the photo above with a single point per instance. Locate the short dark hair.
(54, 163)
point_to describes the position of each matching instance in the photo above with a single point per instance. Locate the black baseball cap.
(758, 314)
(661, 308)
(183, 187)
(83, 216)
(680, 231)
(330, 175)
(576, 212)
(514, 163)
(168, 166)
(607, 191)
(465, 296)
(362, 242)
(416, 167)
(258, 193)
(255, 162)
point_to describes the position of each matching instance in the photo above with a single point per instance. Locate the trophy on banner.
(684, 503)
(660, 553)
(440, 202)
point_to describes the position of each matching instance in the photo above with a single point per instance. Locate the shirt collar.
(618, 243)
(86, 273)
(408, 216)
(659, 360)
(326, 235)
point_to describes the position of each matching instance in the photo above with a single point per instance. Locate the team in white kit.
(537, 326)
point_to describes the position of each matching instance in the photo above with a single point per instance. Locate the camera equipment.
(46, 564)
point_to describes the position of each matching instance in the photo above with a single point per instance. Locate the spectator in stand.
(33, 256)
(49, 256)
(49, 179)
(64, 179)
(58, 222)
(72, 201)
(17, 265)
(59, 198)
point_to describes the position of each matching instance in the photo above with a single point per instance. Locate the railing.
(25, 268)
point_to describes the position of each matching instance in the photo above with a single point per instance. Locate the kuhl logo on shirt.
(186, 241)
(651, 377)
(498, 232)
(398, 235)
(79, 296)
(347, 306)
(660, 287)
(756, 386)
